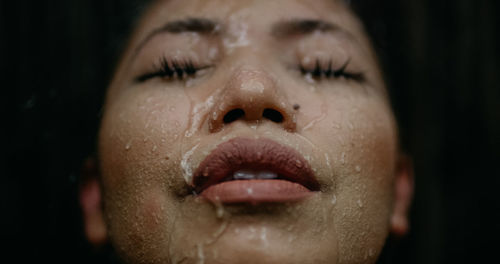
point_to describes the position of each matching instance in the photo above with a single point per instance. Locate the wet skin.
(252, 55)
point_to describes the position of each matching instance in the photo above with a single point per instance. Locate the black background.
(443, 66)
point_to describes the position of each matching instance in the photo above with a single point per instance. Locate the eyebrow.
(198, 25)
(301, 27)
(280, 29)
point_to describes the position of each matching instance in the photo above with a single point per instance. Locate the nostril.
(273, 115)
(233, 115)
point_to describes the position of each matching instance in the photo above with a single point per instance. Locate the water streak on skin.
(318, 118)
(186, 167)
(201, 254)
(308, 141)
(238, 36)
(218, 233)
(327, 158)
(197, 114)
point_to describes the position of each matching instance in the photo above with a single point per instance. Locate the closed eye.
(327, 71)
(172, 70)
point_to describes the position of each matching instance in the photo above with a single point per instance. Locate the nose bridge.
(252, 95)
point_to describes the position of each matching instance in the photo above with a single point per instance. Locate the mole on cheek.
(296, 107)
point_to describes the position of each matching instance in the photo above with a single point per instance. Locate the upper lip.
(256, 154)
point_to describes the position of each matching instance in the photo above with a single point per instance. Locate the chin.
(259, 244)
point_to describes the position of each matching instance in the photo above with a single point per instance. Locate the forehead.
(248, 8)
(256, 15)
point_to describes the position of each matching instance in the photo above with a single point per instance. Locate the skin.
(155, 133)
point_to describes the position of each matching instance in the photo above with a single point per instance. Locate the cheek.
(364, 186)
(139, 154)
(142, 115)
(140, 127)
(359, 135)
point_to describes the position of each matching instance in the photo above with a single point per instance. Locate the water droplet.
(263, 236)
(350, 125)
(310, 79)
(360, 203)
(129, 145)
(335, 125)
(342, 158)
(306, 60)
(298, 164)
(358, 168)
(334, 199)
(190, 82)
(215, 115)
(219, 211)
(213, 53)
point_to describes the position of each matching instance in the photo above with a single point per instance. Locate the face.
(248, 132)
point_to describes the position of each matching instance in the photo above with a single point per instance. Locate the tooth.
(250, 175)
(244, 175)
(267, 175)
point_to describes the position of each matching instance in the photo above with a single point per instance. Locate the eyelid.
(172, 69)
(322, 70)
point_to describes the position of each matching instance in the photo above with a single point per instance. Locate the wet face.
(248, 132)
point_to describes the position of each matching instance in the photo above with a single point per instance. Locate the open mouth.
(245, 170)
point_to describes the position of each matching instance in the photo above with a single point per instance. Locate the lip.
(295, 177)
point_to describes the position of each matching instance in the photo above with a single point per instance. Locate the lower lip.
(256, 191)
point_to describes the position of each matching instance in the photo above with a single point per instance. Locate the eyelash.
(181, 70)
(172, 70)
(321, 72)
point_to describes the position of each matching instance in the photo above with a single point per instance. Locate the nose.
(252, 96)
